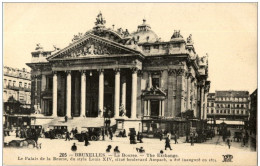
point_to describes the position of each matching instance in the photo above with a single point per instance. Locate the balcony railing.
(18, 88)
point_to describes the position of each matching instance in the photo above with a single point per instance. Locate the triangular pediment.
(91, 46)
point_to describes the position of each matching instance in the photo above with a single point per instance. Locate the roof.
(232, 93)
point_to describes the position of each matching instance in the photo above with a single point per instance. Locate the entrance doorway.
(154, 107)
(108, 103)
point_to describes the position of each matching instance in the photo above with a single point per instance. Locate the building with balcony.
(104, 70)
(16, 94)
(230, 105)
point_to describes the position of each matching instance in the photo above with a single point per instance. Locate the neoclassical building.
(106, 69)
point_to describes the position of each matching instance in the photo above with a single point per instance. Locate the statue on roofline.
(189, 39)
(100, 19)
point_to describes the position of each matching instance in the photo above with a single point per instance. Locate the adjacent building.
(253, 119)
(229, 105)
(16, 94)
(106, 69)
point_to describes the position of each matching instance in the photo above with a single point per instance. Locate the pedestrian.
(244, 141)
(141, 150)
(67, 136)
(161, 135)
(228, 143)
(72, 131)
(110, 134)
(141, 137)
(74, 147)
(75, 131)
(17, 133)
(116, 150)
(191, 139)
(175, 138)
(86, 140)
(167, 143)
(66, 118)
(124, 133)
(224, 137)
(103, 134)
(138, 136)
(108, 148)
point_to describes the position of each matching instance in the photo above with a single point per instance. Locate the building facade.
(253, 113)
(17, 83)
(16, 96)
(233, 105)
(105, 69)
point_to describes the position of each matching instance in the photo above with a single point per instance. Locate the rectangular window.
(221, 111)
(156, 82)
(20, 84)
(217, 111)
(156, 47)
(212, 111)
(25, 85)
(176, 45)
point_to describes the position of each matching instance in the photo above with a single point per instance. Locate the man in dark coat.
(175, 138)
(110, 134)
(167, 143)
(67, 136)
(86, 140)
(103, 134)
(141, 137)
(124, 133)
(74, 147)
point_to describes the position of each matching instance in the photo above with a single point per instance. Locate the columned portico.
(68, 91)
(83, 94)
(55, 95)
(101, 93)
(117, 92)
(134, 93)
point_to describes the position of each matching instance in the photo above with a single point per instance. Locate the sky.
(226, 31)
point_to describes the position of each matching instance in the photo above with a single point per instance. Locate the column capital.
(68, 72)
(83, 72)
(116, 70)
(172, 72)
(100, 71)
(54, 72)
(140, 73)
(134, 70)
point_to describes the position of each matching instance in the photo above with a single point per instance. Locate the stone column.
(150, 80)
(205, 104)
(123, 97)
(188, 91)
(148, 110)
(145, 107)
(101, 93)
(162, 107)
(83, 94)
(117, 92)
(55, 95)
(68, 91)
(134, 93)
(202, 102)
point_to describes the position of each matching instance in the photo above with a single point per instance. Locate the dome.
(145, 34)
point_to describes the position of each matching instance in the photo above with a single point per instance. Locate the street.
(211, 149)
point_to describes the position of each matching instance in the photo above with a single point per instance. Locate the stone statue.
(189, 39)
(176, 34)
(100, 19)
